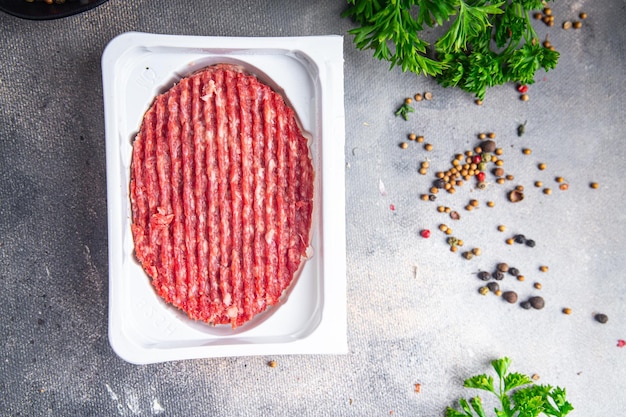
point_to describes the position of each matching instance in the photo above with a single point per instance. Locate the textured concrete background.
(414, 314)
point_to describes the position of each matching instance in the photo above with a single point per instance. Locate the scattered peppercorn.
(543, 268)
(601, 318)
(583, 15)
(432, 197)
(537, 285)
(541, 166)
(537, 302)
(514, 271)
(577, 25)
(530, 243)
(538, 184)
(490, 204)
(404, 145)
(482, 136)
(454, 215)
(524, 97)
(503, 267)
(501, 228)
(428, 147)
(418, 97)
(509, 241)
(527, 151)
(497, 275)
(547, 191)
(567, 310)
(510, 296)
(567, 24)
(525, 305)
(468, 255)
(594, 185)
(516, 196)
(488, 146)
(493, 286)
(425, 233)
(428, 95)
(519, 238)
(521, 278)
(477, 251)
(272, 364)
(483, 290)
(408, 100)
(420, 139)
(563, 187)
(484, 275)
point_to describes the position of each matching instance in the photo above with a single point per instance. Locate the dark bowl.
(41, 10)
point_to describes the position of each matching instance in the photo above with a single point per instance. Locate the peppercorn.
(423, 171)
(577, 25)
(483, 290)
(497, 275)
(567, 310)
(428, 95)
(272, 364)
(519, 238)
(452, 241)
(537, 15)
(583, 15)
(424, 197)
(477, 251)
(567, 24)
(418, 97)
(439, 183)
(503, 267)
(469, 207)
(537, 285)
(493, 286)
(451, 190)
(460, 242)
(488, 146)
(509, 241)
(541, 166)
(521, 278)
(490, 204)
(425, 233)
(441, 209)
(538, 184)
(501, 228)
(537, 302)
(482, 136)
(404, 145)
(498, 172)
(594, 185)
(485, 156)
(601, 318)
(510, 177)
(527, 151)
(420, 139)
(432, 197)
(484, 275)
(454, 215)
(468, 255)
(525, 305)
(499, 162)
(408, 100)
(514, 271)
(547, 11)
(530, 243)
(524, 97)
(519, 188)
(428, 147)
(478, 102)
(453, 248)
(510, 296)
(516, 196)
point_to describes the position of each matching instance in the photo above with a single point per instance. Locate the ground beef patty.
(221, 194)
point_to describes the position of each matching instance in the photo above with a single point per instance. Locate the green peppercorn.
(483, 290)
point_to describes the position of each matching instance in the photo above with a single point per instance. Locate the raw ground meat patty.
(221, 194)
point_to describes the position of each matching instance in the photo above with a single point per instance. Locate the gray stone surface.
(414, 314)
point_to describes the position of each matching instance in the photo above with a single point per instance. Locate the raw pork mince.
(221, 195)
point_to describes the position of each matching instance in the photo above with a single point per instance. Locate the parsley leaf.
(464, 55)
(517, 394)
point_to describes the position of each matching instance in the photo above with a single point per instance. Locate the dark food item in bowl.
(47, 9)
(221, 195)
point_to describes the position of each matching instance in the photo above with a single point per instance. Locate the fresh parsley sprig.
(518, 395)
(486, 43)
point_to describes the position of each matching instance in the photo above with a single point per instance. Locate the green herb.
(518, 396)
(465, 55)
(404, 111)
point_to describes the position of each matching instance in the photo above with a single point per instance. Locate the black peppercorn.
(432, 197)
(510, 296)
(520, 239)
(537, 302)
(514, 271)
(439, 183)
(497, 275)
(484, 275)
(493, 286)
(530, 243)
(601, 318)
(525, 305)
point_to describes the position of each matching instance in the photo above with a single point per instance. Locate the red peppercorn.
(477, 159)
(480, 176)
(425, 233)
(522, 88)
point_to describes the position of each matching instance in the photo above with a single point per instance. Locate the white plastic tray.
(308, 71)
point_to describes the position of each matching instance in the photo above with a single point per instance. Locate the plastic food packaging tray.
(308, 72)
